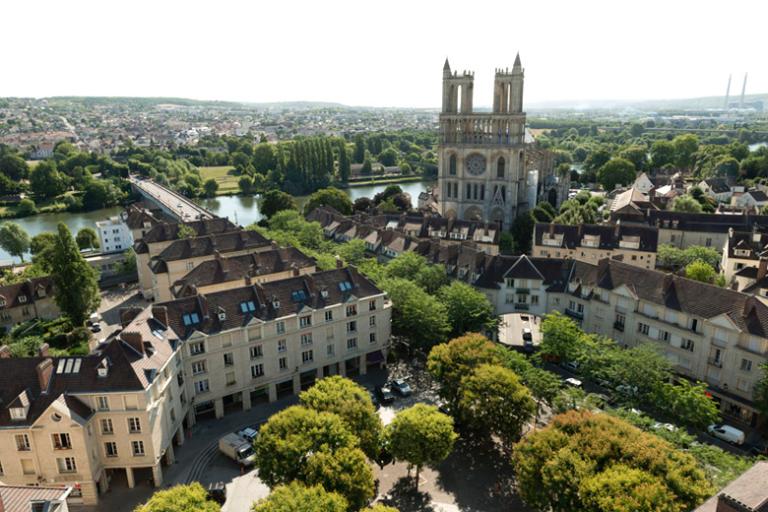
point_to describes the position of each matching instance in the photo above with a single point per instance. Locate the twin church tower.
(488, 168)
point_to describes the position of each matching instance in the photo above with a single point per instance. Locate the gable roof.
(25, 292)
(609, 235)
(167, 231)
(207, 245)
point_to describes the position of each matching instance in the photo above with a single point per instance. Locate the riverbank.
(394, 180)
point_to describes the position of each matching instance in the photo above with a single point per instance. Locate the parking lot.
(514, 326)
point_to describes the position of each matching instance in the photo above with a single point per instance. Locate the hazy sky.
(384, 53)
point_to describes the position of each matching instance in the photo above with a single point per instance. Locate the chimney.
(551, 229)
(730, 232)
(248, 281)
(128, 314)
(339, 262)
(160, 313)
(134, 340)
(43, 350)
(44, 372)
(5, 352)
(762, 268)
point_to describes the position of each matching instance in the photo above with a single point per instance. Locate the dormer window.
(2, 301)
(18, 413)
(345, 286)
(102, 370)
(190, 319)
(222, 314)
(324, 294)
(298, 295)
(741, 252)
(247, 307)
(22, 298)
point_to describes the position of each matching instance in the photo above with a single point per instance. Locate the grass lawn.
(224, 176)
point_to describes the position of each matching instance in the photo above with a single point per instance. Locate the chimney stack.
(43, 350)
(160, 313)
(551, 229)
(339, 262)
(134, 340)
(44, 372)
(762, 268)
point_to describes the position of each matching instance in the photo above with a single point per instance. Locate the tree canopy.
(333, 197)
(616, 171)
(274, 201)
(579, 460)
(468, 309)
(77, 286)
(180, 498)
(14, 239)
(295, 497)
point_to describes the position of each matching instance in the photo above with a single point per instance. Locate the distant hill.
(708, 102)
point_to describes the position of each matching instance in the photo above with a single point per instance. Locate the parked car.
(249, 434)
(95, 318)
(217, 491)
(401, 387)
(237, 449)
(727, 433)
(95, 328)
(666, 426)
(572, 366)
(626, 390)
(385, 394)
(570, 381)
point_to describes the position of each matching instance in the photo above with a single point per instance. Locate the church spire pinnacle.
(446, 68)
(517, 65)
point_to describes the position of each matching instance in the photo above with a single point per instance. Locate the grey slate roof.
(610, 235)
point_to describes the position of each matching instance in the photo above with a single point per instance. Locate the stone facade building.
(26, 300)
(489, 168)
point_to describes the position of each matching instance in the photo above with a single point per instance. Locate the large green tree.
(700, 270)
(14, 239)
(333, 197)
(46, 181)
(77, 284)
(352, 403)
(274, 201)
(690, 404)
(468, 309)
(180, 498)
(495, 401)
(617, 171)
(448, 363)
(295, 497)
(417, 315)
(291, 436)
(686, 203)
(560, 336)
(421, 435)
(13, 166)
(345, 471)
(87, 238)
(556, 468)
(662, 153)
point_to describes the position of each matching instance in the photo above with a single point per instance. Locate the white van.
(727, 433)
(237, 449)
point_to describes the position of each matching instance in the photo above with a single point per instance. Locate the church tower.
(482, 155)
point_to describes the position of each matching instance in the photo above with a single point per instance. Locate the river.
(242, 209)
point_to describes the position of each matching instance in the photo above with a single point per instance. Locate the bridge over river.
(172, 203)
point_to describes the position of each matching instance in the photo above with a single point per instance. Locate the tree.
(291, 436)
(701, 271)
(617, 171)
(333, 197)
(688, 403)
(362, 204)
(662, 153)
(41, 248)
(448, 363)
(13, 166)
(417, 315)
(46, 181)
(345, 471)
(685, 147)
(685, 203)
(560, 336)
(180, 498)
(274, 201)
(14, 239)
(26, 208)
(388, 157)
(210, 186)
(567, 465)
(87, 239)
(245, 183)
(76, 282)
(596, 160)
(185, 231)
(414, 267)
(359, 154)
(468, 309)
(295, 497)
(352, 403)
(522, 232)
(99, 194)
(352, 252)
(264, 158)
(367, 167)
(760, 390)
(344, 164)
(421, 435)
(494, 400)
(638, 155)
(670, 256)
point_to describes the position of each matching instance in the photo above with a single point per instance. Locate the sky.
(385, 53)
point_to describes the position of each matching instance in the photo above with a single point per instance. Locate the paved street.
(182, 207)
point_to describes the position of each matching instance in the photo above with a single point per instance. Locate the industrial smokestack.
(727, 92)
(743, 90)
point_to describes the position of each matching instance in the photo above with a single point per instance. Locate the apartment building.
(256, 343)
(222, 273)
(15, 498)
(743, 250)
(683, 230)
(631, 244)
(26, 300)
(82, 421)
(711, 334)
(160, 236)
(114, 235)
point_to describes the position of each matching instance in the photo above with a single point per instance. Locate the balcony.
(717, 363)
(574, 314)
(618, 326)
(521, 306)
(523, 291)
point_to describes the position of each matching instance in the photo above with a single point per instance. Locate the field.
(224, 176)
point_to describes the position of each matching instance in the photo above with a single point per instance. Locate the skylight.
(247, 307)
(190, 319)
(298, 295)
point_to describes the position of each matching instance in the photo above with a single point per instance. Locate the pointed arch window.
(452, 165)
(500, 167)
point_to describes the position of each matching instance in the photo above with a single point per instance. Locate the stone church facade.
(489, 167)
